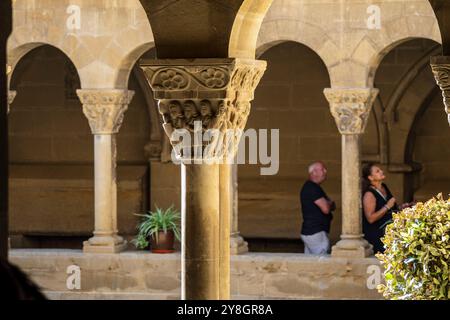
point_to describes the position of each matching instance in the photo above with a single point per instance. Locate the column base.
(102, 244)
(238, 245)
(352, 247)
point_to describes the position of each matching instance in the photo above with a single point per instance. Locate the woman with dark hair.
(378, 205)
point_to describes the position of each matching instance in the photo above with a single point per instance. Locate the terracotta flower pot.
(164, 244)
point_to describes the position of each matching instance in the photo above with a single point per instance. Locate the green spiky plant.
(155, 221)
(417, 255)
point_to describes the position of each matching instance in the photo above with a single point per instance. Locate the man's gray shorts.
(318, 243)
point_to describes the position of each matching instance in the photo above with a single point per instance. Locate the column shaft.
(11, 96)
(352, 243)
(105, 238)
(200, 247)
(225, 220)
(103, 185)
(351, 189)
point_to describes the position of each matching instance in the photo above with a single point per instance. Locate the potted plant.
(158, 229)
(417, 255)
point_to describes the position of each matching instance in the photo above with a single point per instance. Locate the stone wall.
(141, 275)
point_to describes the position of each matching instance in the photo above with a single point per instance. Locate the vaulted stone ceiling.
(192, 28)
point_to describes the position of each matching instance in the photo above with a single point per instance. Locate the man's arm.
(324, 205)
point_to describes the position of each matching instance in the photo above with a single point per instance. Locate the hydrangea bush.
(417, 255)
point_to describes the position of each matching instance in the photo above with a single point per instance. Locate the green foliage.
(418, 253)
(154, 222)
(141, 241)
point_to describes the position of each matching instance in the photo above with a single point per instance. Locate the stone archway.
(426, 147)
(373, 50)
(289, 98)
(367, 49)
(405, 82)
(97, 53)
(285, 21)
(246, 28)
(49, 153)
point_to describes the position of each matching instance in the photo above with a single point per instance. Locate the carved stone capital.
(441, 71)
(11, 95)
(351, 108)
(213, 92)
(105, 108)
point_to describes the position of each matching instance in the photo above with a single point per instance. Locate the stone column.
(440, 66)
(238, 244)
(224, 230)
(105, 111)
(351, 109)
(195, 97)
(11, 95)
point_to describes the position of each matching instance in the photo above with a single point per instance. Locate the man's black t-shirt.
(314, 220)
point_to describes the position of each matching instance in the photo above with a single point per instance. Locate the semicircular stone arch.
(274, 32)
(97, 38)
(405, 81)
(246, 27)
(426, 148)
(418, 91)
(373, 48)
(361, 48)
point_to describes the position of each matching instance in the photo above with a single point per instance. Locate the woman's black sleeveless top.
(375, 231)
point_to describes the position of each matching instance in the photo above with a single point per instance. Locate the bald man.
(317, 210)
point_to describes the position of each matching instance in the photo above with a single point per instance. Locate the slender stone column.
(440, 66)
(215, 93)
(351, 109)
(11, 95)
(225, 216)
(238, 244)
(105, 111)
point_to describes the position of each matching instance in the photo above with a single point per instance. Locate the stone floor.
(142, 275)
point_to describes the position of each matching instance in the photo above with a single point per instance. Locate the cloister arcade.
(326, 73)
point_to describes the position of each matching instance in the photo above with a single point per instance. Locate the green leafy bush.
(154, 222)
(418, 253)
